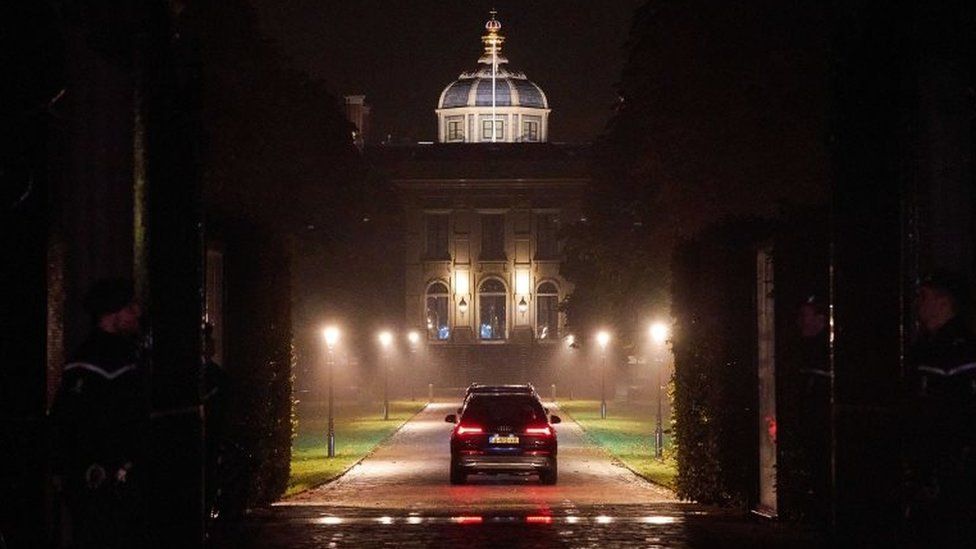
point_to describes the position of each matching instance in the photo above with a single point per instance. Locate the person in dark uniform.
(100, 414)
(812, 379)
(942, 408)
(214, 399)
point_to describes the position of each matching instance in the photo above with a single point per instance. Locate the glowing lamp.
(603, 338)
(385, 338)
(522, 282)
(331, 335)
(659, 332)
(461, 282)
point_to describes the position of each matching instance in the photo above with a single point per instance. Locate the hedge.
(715, 390)
(258, 360)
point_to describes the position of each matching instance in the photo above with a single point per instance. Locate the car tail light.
(543, 431)
(538, 519)
(469, 430)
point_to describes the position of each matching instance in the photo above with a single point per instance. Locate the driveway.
(410, 472)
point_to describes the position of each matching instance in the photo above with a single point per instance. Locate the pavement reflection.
(653, 525)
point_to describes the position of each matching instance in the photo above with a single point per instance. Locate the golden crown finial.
(493, 40)
(493, 24)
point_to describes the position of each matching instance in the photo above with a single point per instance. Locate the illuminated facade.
(482, 232)
(483, 247)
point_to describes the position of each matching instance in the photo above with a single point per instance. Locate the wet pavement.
(400, 496)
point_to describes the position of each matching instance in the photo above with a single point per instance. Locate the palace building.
(484, 208)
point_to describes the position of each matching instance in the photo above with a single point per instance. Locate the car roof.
(479, 388)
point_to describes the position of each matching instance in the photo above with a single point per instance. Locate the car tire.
(458, 476)
(550, 475)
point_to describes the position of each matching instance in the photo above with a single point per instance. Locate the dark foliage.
(278, 168)
(720, 114)
(258, 358)
(715, 415)
(277, 146)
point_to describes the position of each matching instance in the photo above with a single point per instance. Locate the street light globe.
(603, 338)
(331, 335)
(570, 340)
(385, 338)
(659, 332)
(413, 337)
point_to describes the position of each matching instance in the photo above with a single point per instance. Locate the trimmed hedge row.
(258, 362)
(715, 373)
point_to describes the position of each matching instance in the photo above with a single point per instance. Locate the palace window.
(499, 130)
(530, 130)
(438, 328)
(492, 236)
(437, 236)
(547, 311)
(492, 299)
(546, 236)
(455, 129)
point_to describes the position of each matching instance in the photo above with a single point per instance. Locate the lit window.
(437, 301)
(492, 299)
(499, 129)
(547, 311)
(455, 129)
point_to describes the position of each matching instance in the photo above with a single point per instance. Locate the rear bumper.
(504, 464)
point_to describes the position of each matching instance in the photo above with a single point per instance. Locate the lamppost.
(414, 338)
(570, 342)
(659, 335)
(603, 338)
(331, 335)
(386, 338)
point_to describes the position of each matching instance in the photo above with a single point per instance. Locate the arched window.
(547, 311)
(492, 298)
(437, 301)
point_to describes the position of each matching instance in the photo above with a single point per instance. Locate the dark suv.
(503, 433)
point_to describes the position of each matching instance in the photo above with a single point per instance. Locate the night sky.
(401, 54)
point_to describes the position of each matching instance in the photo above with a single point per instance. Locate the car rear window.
(489, 389)
(504, 408)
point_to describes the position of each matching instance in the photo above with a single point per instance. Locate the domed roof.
(473, 89)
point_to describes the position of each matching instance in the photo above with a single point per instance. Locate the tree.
(720, 115)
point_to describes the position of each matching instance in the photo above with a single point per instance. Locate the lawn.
(359, 429)
(627, 433)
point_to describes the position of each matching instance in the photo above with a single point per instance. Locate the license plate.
(503, 439)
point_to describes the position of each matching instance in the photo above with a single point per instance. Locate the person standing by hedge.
(100, 417)
(941, 410)
(812, 409)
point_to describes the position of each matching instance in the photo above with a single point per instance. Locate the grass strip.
(628, 434)
(359, 430)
